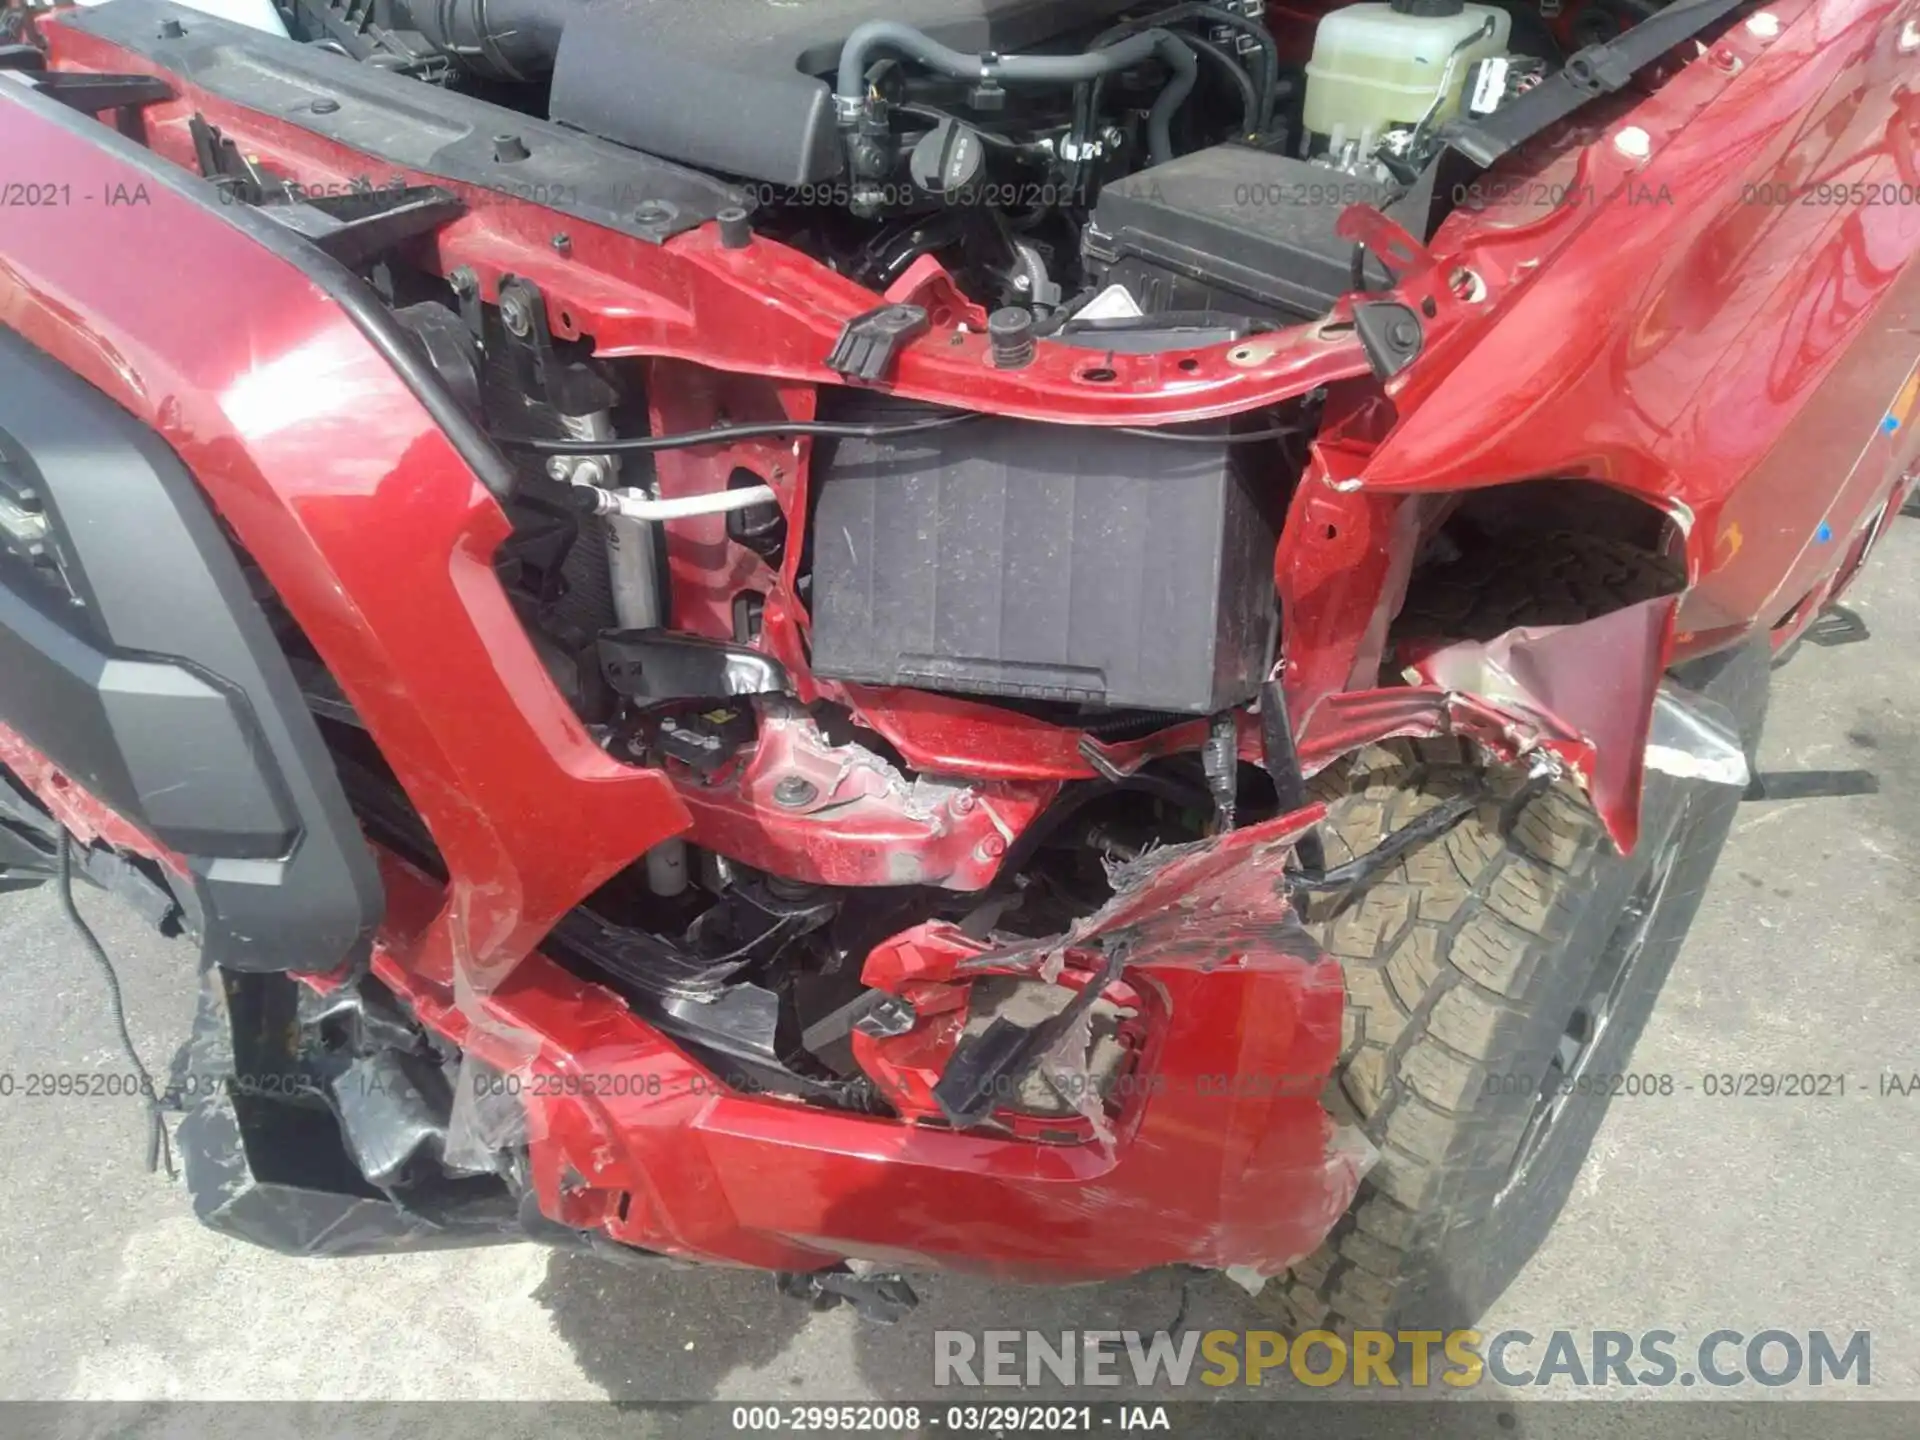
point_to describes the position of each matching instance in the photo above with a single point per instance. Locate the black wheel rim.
(1587, 1028)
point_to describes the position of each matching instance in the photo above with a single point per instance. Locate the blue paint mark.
(1824, 533)
(1889, 425)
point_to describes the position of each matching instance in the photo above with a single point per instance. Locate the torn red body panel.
(1221, 1155)
(1591, 688)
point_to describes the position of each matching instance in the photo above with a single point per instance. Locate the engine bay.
(1044, 151)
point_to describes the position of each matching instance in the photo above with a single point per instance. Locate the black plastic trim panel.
(152, 677)
(403, 122)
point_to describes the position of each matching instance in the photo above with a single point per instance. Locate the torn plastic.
(1695, 738)
(1206, 1058)
(264, 1154)
(1183, 917)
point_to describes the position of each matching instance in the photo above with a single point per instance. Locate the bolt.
(1766, 24)
(991, 848)
(587, 470)
(516, 313)
(464, 281)
(964, 803)
(794, 791)
(560, 467)
(1634, 143)
(1404, 334)
(563, 244)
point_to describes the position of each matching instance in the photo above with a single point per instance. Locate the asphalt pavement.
(1695, 1212)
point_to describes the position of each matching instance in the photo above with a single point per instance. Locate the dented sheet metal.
(1591, 699)
(1593, 686)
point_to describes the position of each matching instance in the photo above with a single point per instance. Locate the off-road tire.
(1465, 963)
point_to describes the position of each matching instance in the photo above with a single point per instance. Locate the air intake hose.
(499, 39)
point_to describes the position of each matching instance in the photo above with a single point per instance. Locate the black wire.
(1278, 432)
(157, 1146)
(878, 430)
(724, 434)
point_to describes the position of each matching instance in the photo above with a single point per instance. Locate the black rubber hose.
(503, 39)
(877, 35)
(890, 35)
(1268, 82)
(1237, 76)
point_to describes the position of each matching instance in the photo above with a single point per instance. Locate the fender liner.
(140, 663)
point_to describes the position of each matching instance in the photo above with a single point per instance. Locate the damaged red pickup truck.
(1036, 636)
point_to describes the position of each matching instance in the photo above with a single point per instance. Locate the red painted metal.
(1667, 327)
(850, 816)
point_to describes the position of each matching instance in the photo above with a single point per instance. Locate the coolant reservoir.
(1379, 65)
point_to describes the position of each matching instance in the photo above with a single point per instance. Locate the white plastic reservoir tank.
(1376, 65)
(259, 14)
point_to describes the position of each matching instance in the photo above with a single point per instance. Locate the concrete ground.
(1694, 1213)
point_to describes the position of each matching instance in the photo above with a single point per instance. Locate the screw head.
(965, 803)
(794, 791)
(991, 848)
(516, 314)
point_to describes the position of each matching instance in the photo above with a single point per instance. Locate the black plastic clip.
(1598, 70)
(1391, 335)
(868, 343)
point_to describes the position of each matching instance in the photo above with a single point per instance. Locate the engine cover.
(742, 87)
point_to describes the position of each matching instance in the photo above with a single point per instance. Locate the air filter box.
(1045, 562)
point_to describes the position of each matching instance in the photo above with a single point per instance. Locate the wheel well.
(1585, 548)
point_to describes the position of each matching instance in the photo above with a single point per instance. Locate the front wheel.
(1497, 981)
